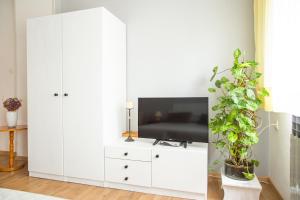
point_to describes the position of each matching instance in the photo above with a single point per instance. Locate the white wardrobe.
(76, 93)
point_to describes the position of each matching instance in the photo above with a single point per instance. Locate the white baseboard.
(46, 176)
(134, 188)
(157, 191)
(66, 179)
(84, 181)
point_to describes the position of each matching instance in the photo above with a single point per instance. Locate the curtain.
(277, 42)
(261, 19)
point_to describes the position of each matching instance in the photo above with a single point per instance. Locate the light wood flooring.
(19, 180)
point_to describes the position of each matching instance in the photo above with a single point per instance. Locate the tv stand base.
(165, 143)
(184, 144)
(156, 142)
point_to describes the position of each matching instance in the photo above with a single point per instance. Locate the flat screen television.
(182, 119)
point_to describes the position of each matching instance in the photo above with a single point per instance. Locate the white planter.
(12, 118)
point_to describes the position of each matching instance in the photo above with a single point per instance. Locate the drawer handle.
(126, 154)
(126, 179)
(157, 156)
(126, 166)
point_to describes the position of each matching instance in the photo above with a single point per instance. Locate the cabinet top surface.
(147, 143)
(89, 10)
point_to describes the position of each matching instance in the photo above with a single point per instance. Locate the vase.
(236, 172)
(12, 118)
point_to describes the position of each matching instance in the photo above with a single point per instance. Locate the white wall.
(172, 46)
(7, 60)
(260, 150)
(279, 153)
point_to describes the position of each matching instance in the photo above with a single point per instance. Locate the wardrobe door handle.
(157, 156)
(126, 166)
(55, 94)
(126, 154)
(66, 94)
(126, 179)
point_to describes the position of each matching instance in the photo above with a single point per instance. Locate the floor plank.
(19, 180)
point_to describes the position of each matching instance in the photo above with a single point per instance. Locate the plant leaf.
(248, 175)
(250, 94)
(232, 115)
(224, 80)
(252, 84)
(220, 144)
(238, 73)
(264, 92)
(237, 53)
(249, 64)
(255, 163)
(252, 136)
(252, 105)
(218, 84)
(211, 90)
(256, 75)
(232, 137)
(215, 107)
(252, 63)
(215, 71)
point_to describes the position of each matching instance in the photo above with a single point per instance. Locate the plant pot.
(236, 172)
(12, 118)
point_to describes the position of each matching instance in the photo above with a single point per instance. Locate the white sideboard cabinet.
(76, 93)
(164, 170)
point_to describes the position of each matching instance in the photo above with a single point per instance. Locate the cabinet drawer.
(128, 153)
(128, 172)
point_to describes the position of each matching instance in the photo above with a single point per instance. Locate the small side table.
(12, 165)
(235, 189)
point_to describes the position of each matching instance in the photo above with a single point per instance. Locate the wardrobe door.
(83, 149)
(44, 82)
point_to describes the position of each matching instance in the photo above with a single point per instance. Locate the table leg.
(11, 149)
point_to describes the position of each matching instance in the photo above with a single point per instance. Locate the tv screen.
(173, 119)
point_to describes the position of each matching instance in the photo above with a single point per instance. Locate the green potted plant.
(235, 121)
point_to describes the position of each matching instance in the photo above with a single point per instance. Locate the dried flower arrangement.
(12, 104)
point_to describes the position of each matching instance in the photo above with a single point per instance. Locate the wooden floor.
(20, 180)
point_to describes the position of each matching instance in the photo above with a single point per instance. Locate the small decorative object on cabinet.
(235, 122)
(129, 107)
(12, 105)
